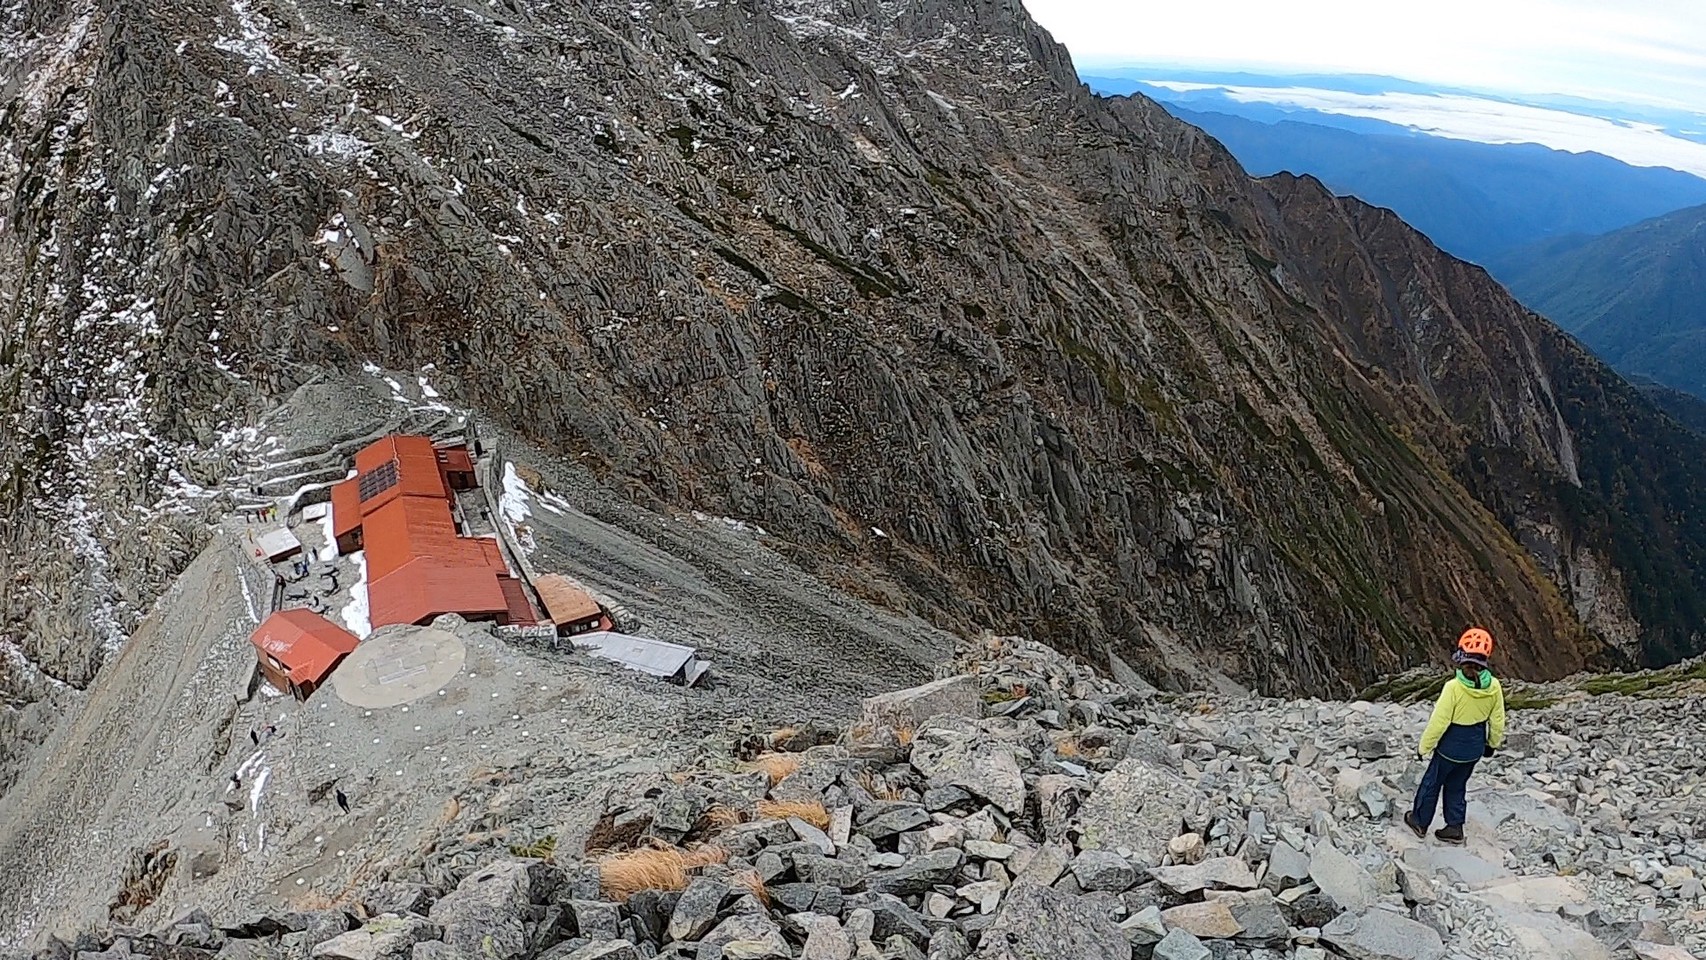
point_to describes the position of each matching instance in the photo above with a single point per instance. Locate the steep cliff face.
(882, 276)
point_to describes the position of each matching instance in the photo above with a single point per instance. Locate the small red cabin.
(298, 649)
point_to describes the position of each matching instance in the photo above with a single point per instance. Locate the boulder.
(825, 938)
(486, 915)
(1135, 806)
(696, 912)
(395, 897)
(1038, 923)
(1228, 873)
(1145, 926)
(1382, 935)
(1342, 878)
(749, 936)
(1104, 871)
(595, 919)
(956, 696)
(1287, 867)
(1209, 918)
(606, 950)
(887, 818)
(888, 916)
(1180, 945)
(957, 755)
(388, 936)
(1256, 911)
(918, 874)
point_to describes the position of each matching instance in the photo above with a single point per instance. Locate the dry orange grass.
(776, 766)
(755, 883)
(721, 817)
(665, 868)
(875, 786)
(904, 735)
(1069, 747)
(814, 812)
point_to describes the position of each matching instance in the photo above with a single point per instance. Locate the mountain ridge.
(1632, 295)
(781, 263)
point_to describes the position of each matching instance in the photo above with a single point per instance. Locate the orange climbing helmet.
(1476, 643)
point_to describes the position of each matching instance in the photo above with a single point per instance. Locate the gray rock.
(988, 850)
(825, 938)
(696, 912)
(749, 936)
(829, 872)
(1287, 867)
(395, 897)
(956, 696)
(1382, 935)
(607, 950)
(1145, 926)
(1046, 865)
(1179, 945)
(649, 912)
(1038, 923)
(889, 916)
(1228, 873)
(919, 874)
(958, 756)
(595, 919)
(948, 943)
(1342, 878)
(1134, 806)
(1256, 911)
(885, 819)
(1104, 871)
(812, 835)
(486, 915)
(386, 937)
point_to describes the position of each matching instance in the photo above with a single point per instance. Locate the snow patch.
(356, 614)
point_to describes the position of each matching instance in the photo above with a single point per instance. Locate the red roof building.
(298, 649)
(419, 565)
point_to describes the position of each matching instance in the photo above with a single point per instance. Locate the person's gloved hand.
(1488, 751)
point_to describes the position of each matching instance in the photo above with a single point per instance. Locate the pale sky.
(1629, 51)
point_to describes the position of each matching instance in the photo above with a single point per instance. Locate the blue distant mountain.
(1479, 201)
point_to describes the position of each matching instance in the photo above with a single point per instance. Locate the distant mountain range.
(1636, 296)
(1480, 201)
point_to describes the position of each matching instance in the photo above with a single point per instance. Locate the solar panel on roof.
(378, 480)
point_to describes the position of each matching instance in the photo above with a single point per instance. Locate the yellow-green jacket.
(1468, 717)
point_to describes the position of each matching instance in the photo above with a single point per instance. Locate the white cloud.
(1632, 51)
(1491, 121)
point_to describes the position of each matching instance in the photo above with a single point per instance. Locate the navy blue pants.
(1452, 778)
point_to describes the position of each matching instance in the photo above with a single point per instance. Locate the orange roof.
(565, 602)
(418, 566)
(515, 596)
(309, 645)
(346, 507)
(456, 459)
(423, 588)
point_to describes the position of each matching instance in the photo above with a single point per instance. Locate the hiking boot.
(1451, 834)
(1415, 825)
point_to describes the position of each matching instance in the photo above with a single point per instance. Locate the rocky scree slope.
(881, 276)
(1028, 809)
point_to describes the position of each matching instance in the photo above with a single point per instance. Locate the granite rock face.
(885, 279)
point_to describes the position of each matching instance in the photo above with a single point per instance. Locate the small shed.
(273, 544)
(659, 658)
(569, 606)
(298, 649)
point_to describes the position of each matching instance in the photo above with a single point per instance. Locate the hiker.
(255, 738)
(343, 801)
(1467, 725)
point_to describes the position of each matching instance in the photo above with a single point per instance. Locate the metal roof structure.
(418, 563)
(273, 543)
(307, 645)
(659, 658)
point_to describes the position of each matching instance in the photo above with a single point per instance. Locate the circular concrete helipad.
(399, 666)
